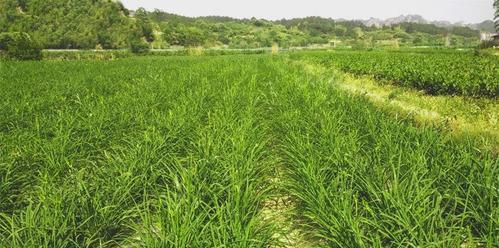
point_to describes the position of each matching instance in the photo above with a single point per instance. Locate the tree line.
(106, 24)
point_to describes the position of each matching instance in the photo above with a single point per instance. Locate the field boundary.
(462, 116)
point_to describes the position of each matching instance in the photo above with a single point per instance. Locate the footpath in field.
(356, 176)
(462, 116)
(362, 177)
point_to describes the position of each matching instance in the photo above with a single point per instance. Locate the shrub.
(195, 51)
(275, 48)
(99, 47)
(139, 46)
(486, 44)
(4, 39)
(20, 46)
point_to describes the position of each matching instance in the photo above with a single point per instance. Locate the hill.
(87, 24)
(69, 23)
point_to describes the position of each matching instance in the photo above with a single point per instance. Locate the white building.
(485, 36)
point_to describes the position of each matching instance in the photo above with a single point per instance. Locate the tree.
(85, 24)
(465, 32)
(144, 25)
(340, 30)
(382, 35)
(358, 33)
(193, 36)
(20, 46)
(139, 46)
(182, 35)
(68, 23)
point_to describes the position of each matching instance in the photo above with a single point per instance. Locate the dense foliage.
(191, 151)
(254, 33)
(20, 46)
(139, 46)
(364, 179)
(70, 23)
(142, 152)
(86, 24)
(433, 71)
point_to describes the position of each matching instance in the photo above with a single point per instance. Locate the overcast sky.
(470, 11)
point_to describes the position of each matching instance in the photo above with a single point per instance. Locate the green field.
(433, 71)
(195, 151)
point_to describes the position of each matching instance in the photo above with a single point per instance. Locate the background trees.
(20, 46)
(87, 24)
(144, 25)
(69, 23)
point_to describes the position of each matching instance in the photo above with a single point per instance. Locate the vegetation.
(139, 46)
(142, 151)
(70, 24)
(185, 151)
(254, 33)
(117, 54)
(118, 150)
(435, 72)
(108, 24)
(364, 179)
(20, 46)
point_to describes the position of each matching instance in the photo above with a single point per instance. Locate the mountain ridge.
(487, 25)
(484, 26)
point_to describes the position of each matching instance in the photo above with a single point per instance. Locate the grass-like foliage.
(183, 152)
(364, 179)
(152, 152)
(435, 72)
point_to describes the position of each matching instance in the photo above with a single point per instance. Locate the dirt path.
(460, 115)
(279, 210)
(424, 109)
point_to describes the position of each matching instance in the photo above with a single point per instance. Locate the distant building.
(334, 43)
(486, 36)
(490, 37)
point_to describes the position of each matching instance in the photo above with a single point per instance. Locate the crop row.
(456, 73)
(185, 151)
(143, 152)
(363, 178)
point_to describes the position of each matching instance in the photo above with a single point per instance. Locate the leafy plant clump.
(139, 46)
(20, 46)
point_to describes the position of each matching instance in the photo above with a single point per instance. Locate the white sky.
(469, 11)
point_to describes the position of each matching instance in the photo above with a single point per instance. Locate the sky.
(468, 11)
